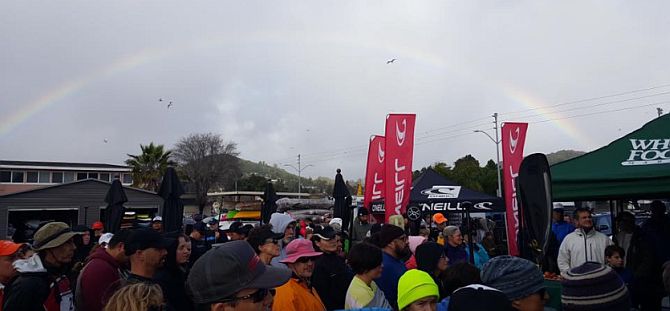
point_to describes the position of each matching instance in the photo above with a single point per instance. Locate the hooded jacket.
(38, 288)
(579, 247)
(279, 223)
(98, 281)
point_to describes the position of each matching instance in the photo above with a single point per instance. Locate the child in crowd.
(614, 256)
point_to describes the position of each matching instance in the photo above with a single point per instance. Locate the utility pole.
(299, 169)
(497, 142)
(660, 111)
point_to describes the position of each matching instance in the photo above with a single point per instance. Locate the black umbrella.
(269, 203)
(114, 212)
(534, 193)
(342, 201)
(173, 208)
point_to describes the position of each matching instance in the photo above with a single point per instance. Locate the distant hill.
(562, 155)
(285, 181)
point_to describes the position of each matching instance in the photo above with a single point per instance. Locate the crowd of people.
(290, 264)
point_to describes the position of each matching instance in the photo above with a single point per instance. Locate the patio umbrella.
(342, 198)
(173, 208)
(114, 212)
(534, 192)
(269, 203)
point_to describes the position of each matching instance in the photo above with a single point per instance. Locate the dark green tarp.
(634, 166)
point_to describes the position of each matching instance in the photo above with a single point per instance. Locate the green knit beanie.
(414, 285)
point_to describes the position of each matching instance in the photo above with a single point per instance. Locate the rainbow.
(540, 109)
(132, 61)
(55, 95)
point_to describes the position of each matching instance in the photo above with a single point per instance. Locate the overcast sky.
(281, 78)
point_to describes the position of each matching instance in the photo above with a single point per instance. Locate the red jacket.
(98, 281)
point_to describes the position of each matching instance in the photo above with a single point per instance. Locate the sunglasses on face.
(273, 241)
(255, 297)
(304, 259)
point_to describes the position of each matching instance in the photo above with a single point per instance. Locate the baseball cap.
(438, 218)
(157, 219)
(105, 238)
(325, 233)
(363, 211)
(200, 227)
(98, 225)
(52, 235)
(558, 207)
(240, 228)
(228, 269)
(141, 239)
(8, 248)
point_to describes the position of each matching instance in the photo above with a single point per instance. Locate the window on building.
(31, 177)
(57, 177)
(17, 177)
(81, 176)
(5, 176)
(104, 177)
(68, 176)
(93, 175)
(127, 179)
(44, 177)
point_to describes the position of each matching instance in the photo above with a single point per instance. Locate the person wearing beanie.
(361, 226)
(477, 297)
(393, 242)
(417, 291)
(414, 242)
(594, 287)
(519, 279)
(431, 259)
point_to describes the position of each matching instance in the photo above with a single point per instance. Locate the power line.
(594, 105)
(602, 112)
(589, 99)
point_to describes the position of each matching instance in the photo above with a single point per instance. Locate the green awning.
(632, 167)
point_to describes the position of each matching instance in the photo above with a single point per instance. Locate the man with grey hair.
(454, 247)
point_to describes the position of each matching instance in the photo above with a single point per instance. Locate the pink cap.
(299, 248)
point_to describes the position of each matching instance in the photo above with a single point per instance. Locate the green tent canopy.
(635, 166)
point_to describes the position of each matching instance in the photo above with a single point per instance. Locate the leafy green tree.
(149, 167)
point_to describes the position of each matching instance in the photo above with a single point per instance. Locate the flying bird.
(105, 140)
(169, 105)
(160, 99)
(390, 61)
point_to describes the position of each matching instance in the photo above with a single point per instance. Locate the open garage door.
(26, 221)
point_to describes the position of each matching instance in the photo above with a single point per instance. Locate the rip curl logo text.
(400, 135)
(380, 153)
(513, 140)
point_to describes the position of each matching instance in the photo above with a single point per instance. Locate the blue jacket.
(388, 281)
(561, 230)
(481, 256)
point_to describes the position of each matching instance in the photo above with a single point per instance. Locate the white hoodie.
(578, 248)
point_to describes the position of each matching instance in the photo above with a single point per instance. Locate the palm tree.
(149, 167)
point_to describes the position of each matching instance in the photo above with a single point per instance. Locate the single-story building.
(77, 202)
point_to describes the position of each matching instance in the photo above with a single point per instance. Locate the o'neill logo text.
(442, 192)
(449, 207)
(648, 152)
(380, 153)
(513, 140)
(515, 203)
(400, 135)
